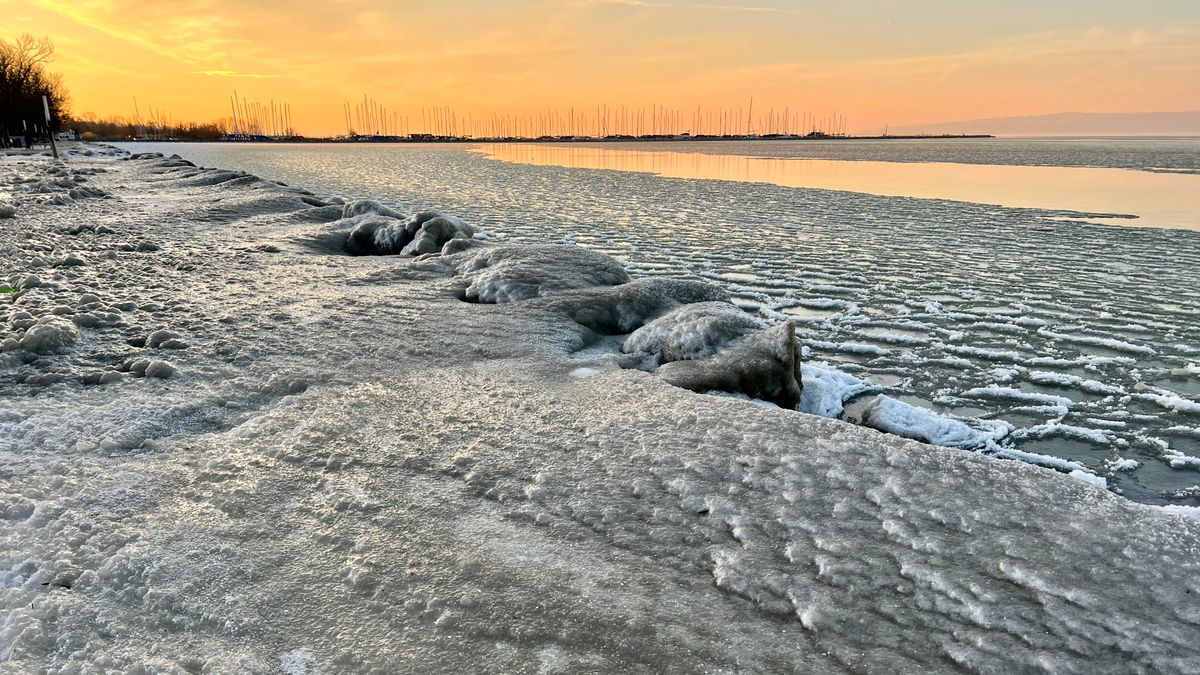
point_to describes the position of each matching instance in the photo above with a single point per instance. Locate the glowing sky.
(876, 61)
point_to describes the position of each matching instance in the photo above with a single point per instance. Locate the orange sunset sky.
(875, 61)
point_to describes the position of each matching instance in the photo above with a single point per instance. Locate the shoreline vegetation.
(33, 102)
(203, 134)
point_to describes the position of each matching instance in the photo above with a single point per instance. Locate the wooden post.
(49, 129)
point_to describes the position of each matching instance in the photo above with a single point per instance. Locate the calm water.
(1152, 199)
(1178, 154)
(1084, 337)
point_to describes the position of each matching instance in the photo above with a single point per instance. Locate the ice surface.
(353, 470)
(980, 300)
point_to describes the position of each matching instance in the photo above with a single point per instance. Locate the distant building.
(68, 135)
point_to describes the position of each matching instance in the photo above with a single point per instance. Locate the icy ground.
(1069, 344)
(227, 446)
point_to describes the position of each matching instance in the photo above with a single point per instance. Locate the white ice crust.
(329, 463)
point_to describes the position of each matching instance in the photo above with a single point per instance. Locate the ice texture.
(353, 470)
(907, 303)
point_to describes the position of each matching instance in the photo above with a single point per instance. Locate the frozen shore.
(226, 445)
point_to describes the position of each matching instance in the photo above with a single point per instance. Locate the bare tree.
(23, 82)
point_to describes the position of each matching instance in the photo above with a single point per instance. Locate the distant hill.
(1185, 123)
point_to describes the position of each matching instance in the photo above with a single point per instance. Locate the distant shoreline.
(426, 138)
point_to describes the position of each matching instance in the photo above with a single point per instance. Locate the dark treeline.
(123, 129)
(23, 82)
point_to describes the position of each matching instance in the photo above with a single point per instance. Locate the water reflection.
(1155, 199)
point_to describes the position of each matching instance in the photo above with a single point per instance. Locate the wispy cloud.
(191, 41)
(1044, 50)
(233, 73)
(759, 9)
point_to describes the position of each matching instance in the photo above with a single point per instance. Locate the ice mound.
(431, 230)
(86, 192)
(692, 331)
(617, 310)
(889, 415)
(726, 349)
(219, 177)
(49, 333)
(61, 199)
(377, 235)
(510, 273)
(372, 206)
(764, 365)
(159, 369)
(382, 234)
(51, 186)
(175, 161)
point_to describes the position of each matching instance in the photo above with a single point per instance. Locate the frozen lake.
(1076, 340)
(241, 421)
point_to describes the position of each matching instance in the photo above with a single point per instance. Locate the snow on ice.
(239, 449)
